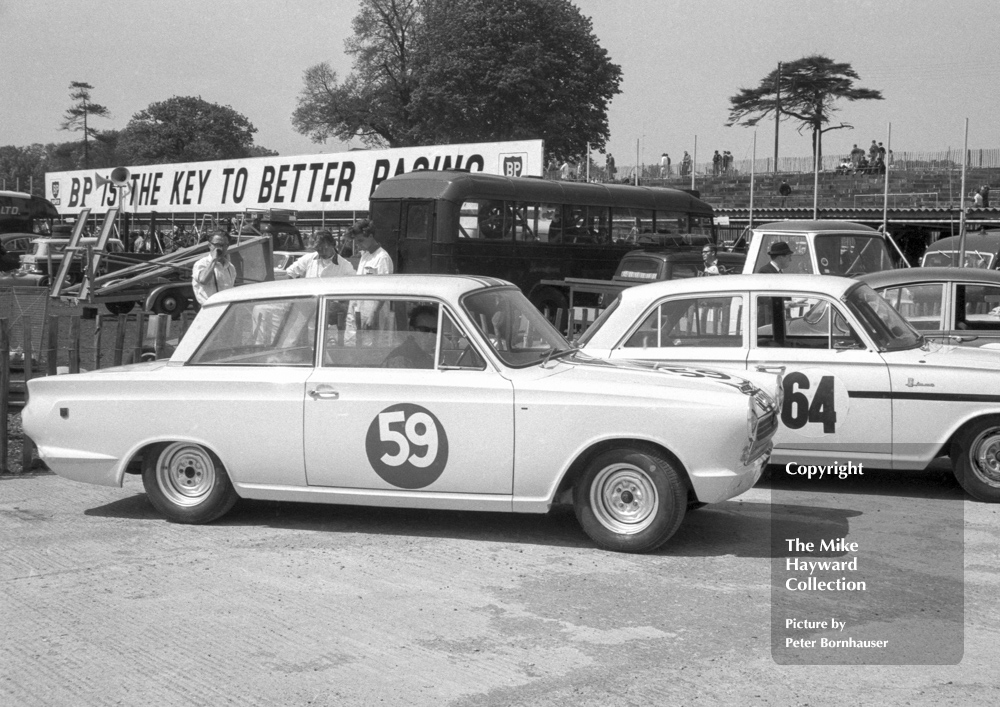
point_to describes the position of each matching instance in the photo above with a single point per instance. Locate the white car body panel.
(304, 433)
(895, 409)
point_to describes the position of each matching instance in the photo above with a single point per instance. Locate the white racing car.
(860, 384)
(409, 391)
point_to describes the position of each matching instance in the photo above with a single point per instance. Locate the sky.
(681, 62)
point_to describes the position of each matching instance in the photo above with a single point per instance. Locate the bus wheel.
(552, 303)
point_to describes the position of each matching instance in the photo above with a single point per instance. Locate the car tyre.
(975, 459)
(170, 302)
(187, 483)
(630, 500)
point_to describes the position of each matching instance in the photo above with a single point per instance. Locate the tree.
(185, 129)
(373, 103)
(442, 71)
(809, 88)
(513, 70)
(77, 115)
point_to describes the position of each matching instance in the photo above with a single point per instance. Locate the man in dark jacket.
(781, 258)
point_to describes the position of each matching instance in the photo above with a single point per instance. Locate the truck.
(637, 267)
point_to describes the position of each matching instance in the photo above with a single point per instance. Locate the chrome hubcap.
(985, 457)
(624, 499)
(185, 474)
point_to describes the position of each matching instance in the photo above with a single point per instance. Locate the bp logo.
(55, 189)
(513, 166)
(407, 446)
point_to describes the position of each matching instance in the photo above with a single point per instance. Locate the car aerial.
(860, 384)
(961, 305)
(419, 391)
(823, 247)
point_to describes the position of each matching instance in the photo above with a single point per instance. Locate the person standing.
(716, 163)
(324, 262)
(781, 257)
(985, 192)
(686, 164)
(374, 261)
(610, 167)
(856, 156)
(664, 165)
(710, 254)
(215, 272)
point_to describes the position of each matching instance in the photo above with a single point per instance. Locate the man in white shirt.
(374, 261)
(324, 262)
(213, 273)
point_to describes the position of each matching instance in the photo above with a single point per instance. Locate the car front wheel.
(630, 500)
(187, 483)
(976, 460)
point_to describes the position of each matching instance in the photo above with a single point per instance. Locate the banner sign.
(340, 181)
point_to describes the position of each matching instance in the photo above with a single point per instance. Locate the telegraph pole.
(777, 114)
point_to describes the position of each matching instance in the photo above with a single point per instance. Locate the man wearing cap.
(781, 258)
(324, 262)
(213, 273)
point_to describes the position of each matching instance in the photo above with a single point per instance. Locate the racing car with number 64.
(413, 391)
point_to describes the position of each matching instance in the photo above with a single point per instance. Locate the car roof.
(909, 276)
(810, 226)
(988, 240)
(819, 284)
(443, 286)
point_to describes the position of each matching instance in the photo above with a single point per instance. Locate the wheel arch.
(956, 434)
(576, 468)
(137, 457)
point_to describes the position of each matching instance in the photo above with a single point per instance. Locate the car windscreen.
(885, 325)
(516, 331)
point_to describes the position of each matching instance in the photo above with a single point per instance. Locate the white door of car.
(395, 407)
(700, 330)
(837, 404)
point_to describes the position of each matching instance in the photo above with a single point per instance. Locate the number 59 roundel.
(407, 446)
(816, 402)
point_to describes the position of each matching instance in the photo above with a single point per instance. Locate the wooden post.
(4, 389)
(98, 330)
(120, 340)
(27, 446)
(74, 344)
(160, 342)
(184, 323)
(140, 336)
(52, 347)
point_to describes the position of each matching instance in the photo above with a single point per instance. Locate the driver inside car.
(417, 351)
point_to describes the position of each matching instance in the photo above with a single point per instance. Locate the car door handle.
(771, 369)
(323, 394)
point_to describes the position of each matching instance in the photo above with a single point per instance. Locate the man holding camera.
(215, 272)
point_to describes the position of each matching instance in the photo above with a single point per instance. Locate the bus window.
(701, 224)
(627, 225)
(418, 221)
(547, 215)
(585, 224)
(525, 217)
(482, 218)
(671, 223)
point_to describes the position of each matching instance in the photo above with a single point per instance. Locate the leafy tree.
(23, 168)
(373, 103)
(442, 71)
(185, 129)
(513, 70)
(77, 115)
(809, 88)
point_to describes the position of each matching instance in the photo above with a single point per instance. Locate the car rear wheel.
(630, 500)
(976, 460)
(187, 483)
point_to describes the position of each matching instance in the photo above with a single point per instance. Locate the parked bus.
(526, 229)
(24, 213)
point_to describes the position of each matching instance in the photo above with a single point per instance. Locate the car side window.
(977, 307)
(921, 305)
(803, 323)
(262, 333)
(697, 321)
(380, 333)
(801, 262)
